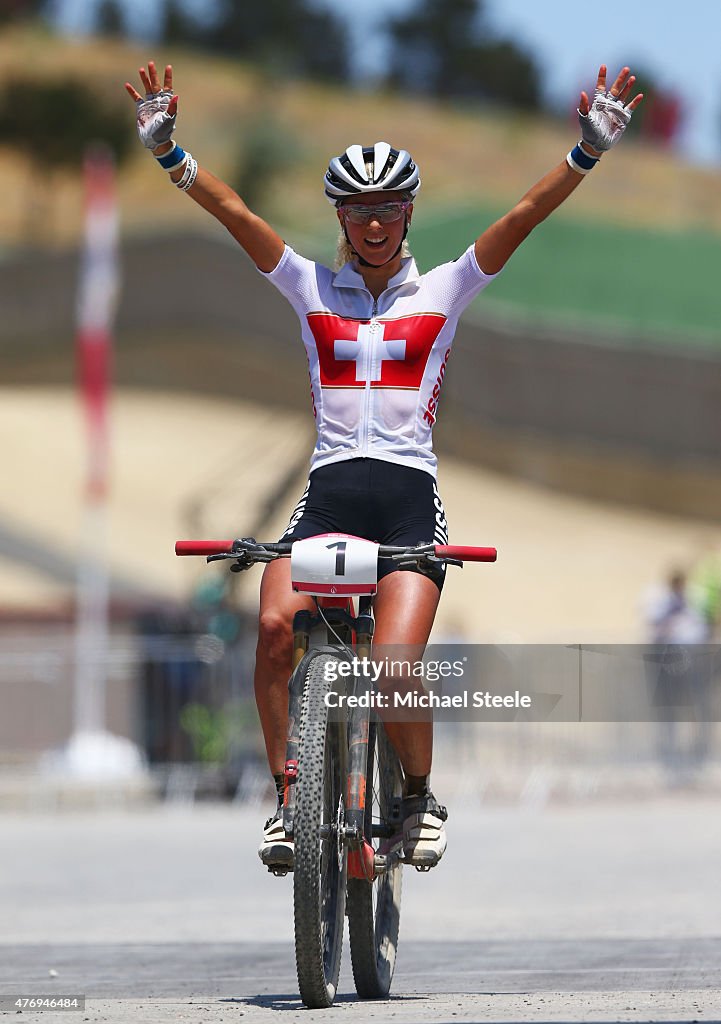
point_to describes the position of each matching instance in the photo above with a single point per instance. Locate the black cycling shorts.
(380, 501)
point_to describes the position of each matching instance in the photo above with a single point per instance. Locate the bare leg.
(405, 608)
(274, 656)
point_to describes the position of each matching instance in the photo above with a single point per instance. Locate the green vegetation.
(20, 10)
(657, 287)
(87, 119)
(446, 48)
(268, 149)
(632, 253)
(650, 283)
(216, 734)
(28, 107)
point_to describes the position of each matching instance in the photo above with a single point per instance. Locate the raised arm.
(156, 113)
(602, 124)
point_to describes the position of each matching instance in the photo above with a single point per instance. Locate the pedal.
(387, 858)
(380, 864)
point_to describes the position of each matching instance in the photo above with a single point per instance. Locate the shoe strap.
(424, 805)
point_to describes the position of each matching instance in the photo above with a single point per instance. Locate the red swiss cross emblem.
(388, 353)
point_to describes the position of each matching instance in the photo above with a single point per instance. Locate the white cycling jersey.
(377, 365)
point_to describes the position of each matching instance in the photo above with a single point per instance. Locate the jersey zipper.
(365, 446)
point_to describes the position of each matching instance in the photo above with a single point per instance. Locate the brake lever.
(246, 559)
(412, 557)
(246, 552)
(425, 562)
(428, 561)
(242, 563)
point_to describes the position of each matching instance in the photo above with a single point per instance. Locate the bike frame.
(356, 630)
(339, 772)
(344, 627)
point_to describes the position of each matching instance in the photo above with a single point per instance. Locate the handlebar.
(203, 547)
(465, 554)
(254, 551)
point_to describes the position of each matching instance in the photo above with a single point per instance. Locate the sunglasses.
(384, 213)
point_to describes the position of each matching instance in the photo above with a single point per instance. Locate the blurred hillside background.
(580, 429)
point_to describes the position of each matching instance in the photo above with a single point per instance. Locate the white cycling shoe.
(424, 836)
(424, 833)
(276, 851)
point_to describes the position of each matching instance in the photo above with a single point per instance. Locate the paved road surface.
(606, 912)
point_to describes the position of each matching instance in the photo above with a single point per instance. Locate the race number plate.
(334, 564)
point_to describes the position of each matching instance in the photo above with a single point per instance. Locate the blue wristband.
(172, 159)
(580, 160)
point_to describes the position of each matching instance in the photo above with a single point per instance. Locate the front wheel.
(374, 907)
(320, 858)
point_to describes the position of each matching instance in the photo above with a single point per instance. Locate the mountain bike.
(343, 779)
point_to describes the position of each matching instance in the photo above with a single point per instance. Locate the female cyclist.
(378, 336)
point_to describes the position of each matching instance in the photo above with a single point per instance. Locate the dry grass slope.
(493, 156)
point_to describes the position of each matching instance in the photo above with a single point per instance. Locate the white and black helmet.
(378, 168)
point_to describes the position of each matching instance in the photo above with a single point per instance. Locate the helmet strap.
(377, 266)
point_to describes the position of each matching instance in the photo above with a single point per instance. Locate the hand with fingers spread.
(604, 121)
(156, 112)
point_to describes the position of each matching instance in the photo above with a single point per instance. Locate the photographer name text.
(413, 699)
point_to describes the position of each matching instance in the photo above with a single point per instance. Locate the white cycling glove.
(605, 122)
(155, 124)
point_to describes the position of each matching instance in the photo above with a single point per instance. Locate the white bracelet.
(164, 156)
(193, 175)
(187, 170)
(188, 180)
(183, 163)
(187, 173)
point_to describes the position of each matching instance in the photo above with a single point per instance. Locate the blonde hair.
(345, 253)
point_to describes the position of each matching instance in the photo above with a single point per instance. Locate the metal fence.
(186, 700)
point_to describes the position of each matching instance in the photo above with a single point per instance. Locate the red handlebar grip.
(466, 554)
(202, 547)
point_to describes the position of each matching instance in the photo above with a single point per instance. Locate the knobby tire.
(319, 878)
(374, 907)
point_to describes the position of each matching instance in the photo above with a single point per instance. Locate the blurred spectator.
(679, 676)
(670, 617)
